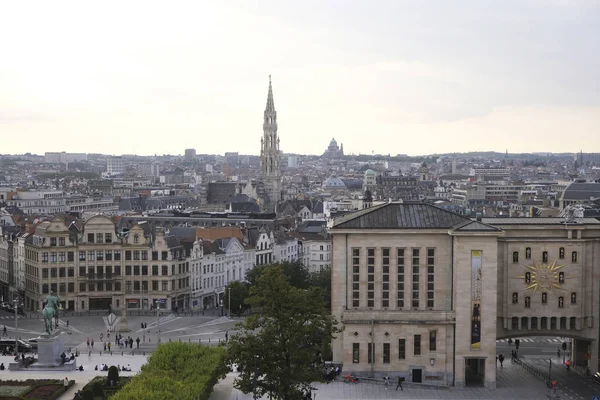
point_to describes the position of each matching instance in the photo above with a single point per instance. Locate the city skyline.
(411, 78)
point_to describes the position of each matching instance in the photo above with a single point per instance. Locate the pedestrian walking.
(501, 359)
(66, 382)
(226, 336)
(92, 343)
(104, 346)
(4, 331)
(386, 381)
(138, 342)
(101, 336)
(87, 341)
(400, 379)
(109, 345)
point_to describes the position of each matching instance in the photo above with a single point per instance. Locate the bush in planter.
(113, 376)
(97, 389)
(87, 394)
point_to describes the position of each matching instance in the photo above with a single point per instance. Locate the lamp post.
(16, 301)
(229, 302)
(158, 321)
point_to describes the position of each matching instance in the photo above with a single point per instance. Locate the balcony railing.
(100, 277)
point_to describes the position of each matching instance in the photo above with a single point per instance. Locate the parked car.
(33, 342)
(7, 344)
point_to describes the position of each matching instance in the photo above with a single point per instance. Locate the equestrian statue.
(50, 312)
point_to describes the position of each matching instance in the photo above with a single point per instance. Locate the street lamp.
(16, 301)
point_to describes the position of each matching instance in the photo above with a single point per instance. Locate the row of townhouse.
(98, 264)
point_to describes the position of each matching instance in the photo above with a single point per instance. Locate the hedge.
(177, 371)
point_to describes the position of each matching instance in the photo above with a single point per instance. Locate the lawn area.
(44, 389)
(99, 389)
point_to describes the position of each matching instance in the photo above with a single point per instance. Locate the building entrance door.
(417, 375)
(474, 371)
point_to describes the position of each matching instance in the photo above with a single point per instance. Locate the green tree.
(296, 273)
(239, 293)
(322, 279)
(279, 348)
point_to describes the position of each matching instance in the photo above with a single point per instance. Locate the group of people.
(125, 342)
(104, 367)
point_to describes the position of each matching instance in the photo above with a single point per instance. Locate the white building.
(40, 202)
(285, 248)
(115, 165)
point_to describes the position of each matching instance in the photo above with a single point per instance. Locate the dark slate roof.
(581, 191)
(312, 226)
(211, 247)
(476, 226)
(183, 233)
(172, 242)
(405, 215)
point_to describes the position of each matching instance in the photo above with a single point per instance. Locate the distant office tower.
(190, 154)
(292, 161)
(115, 165)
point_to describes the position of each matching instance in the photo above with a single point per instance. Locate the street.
(539, 352)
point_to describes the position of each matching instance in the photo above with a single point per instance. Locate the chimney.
(478, 217)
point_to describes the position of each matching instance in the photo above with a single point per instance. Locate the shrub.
(113, 375)
(87, 395)
(97, 389)
(177, 371)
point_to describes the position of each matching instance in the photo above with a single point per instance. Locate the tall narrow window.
(402, 349)
(417, 345)
(400, 258)
(528, 253)
(561, 253)
(545, 256)
(573, 298)
(415, 278)
(515, 298)
(433, 340)
(370, 278)
(355, 277)
(527, 277)
(355, 353)
(386, 353)
(544, 298)
(430, 277)
(371, 352)
(515, 256)
(561, 302)
(385, 278)
(527, 302)
(561, 277)
(574, 257)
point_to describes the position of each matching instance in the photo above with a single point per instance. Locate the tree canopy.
(238, 292)
(177, 371)
(279, 348)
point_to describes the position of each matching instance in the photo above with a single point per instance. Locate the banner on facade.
(476, 291)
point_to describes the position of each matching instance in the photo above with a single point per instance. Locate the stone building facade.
(96, 267)
(424, 293)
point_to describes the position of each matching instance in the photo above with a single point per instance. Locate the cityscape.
(426, 227)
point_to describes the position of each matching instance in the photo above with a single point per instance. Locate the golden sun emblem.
(542, 276)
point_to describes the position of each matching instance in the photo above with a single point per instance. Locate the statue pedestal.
(50, 348)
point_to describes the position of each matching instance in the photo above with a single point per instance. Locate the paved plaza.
(207, 329)
(513, 381)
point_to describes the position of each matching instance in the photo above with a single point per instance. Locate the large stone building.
(270, 156)
(94, 267)
(424, 293)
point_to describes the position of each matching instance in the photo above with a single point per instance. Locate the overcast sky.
(408, 77)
